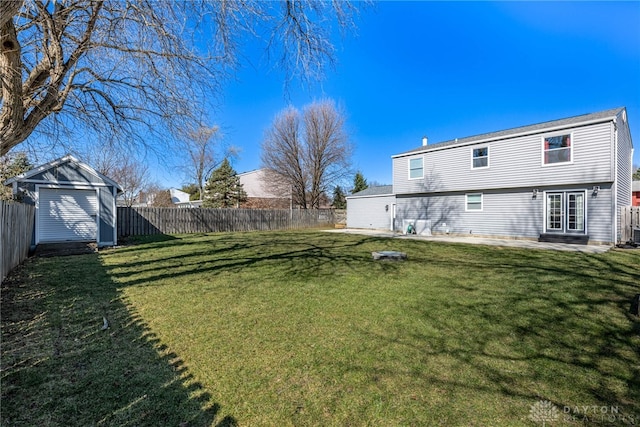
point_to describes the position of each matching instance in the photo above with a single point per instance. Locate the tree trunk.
(12, 131)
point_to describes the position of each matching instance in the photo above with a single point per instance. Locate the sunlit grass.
(304, 328)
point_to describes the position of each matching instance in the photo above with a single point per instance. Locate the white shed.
(74, 203)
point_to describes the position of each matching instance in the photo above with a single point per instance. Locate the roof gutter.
(513, 135)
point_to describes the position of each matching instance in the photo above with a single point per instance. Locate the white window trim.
(488, 157)
(409, 167)
(542, 150)
(466, 202)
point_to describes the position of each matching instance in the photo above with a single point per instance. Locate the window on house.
(557, 149)
(480, 157)
(416, 168)
(474, 202)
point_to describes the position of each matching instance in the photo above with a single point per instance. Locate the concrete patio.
(527, 244)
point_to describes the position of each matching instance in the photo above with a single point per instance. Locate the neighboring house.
(372, 207)
(635, 198)
(73, 202)
(178, 196)
(563, 180)
(263, 192)
(181, 199)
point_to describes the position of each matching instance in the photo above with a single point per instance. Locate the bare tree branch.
(141, 68)
(310, 155)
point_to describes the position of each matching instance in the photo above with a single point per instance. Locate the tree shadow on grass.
(293, 255)
(60, 367)
(560, 330)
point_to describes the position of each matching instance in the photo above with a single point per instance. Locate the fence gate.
(630, 223)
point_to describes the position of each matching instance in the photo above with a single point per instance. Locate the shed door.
(67, 215)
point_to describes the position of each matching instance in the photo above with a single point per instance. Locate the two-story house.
(563, 180)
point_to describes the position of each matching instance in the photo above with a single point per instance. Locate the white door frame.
(564, 207)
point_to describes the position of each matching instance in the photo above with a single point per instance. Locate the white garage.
(65, 215)
(372, 208)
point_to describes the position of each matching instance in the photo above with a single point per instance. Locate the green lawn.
(305, 329)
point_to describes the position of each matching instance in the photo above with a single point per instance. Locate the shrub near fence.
(147, 221)
(16, 228)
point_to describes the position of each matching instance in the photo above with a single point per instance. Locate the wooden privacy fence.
(16, 228)
(146, 221)
(629, 220)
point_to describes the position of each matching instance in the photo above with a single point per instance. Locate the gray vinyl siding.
(507, 214)
(625, 167)
(107, 215)
(514, 163)
(67, 172)
(447, 213)
(370, 212)
(600, 215)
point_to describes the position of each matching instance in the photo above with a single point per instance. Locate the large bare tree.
(308, 152)
(140, 68)
(125, 168)
(200, 145)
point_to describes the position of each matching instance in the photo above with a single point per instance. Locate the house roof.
(374, 191)
(635, 186)
(544, 126)
(66, 159)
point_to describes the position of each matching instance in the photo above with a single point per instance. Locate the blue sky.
(449, 70)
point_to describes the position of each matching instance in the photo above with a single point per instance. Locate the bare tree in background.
(309, 155)
(130, 172)
(283, 156)
(133, 177)
(200, 146)
(139, 69)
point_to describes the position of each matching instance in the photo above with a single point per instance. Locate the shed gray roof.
(570, 121)
(374, 191)
(54, 163)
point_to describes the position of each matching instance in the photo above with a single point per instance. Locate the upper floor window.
(416, 168)
(557, 149)
(480, 157)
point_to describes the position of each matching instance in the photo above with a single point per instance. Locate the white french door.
(565, 212)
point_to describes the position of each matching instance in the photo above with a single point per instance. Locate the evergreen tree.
(10, 166)
(359, 183)
(223, 189)
(192, 189)
(339, 200)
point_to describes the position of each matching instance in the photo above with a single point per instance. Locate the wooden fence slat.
(16, 229)
(629, 220)
(147, 221)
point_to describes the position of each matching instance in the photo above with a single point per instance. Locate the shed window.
(416, 168)
(557, 149)
(480, 158)
(474, 202)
